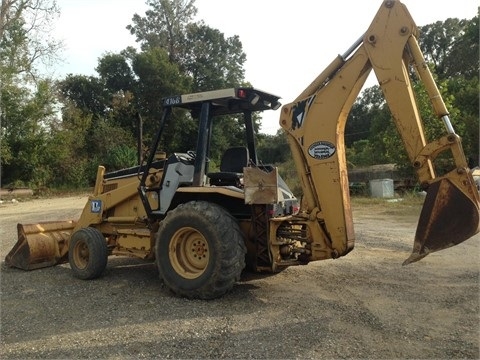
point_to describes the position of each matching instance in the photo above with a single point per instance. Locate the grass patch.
(409, 204)
(43, 193)
(62, 192)
(407, 200)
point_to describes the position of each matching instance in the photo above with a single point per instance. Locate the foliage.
(360, 153)
(121, 157)
(466, 100)
(180, 56)
(157, 78)
(177, 56)
(212, 61)
(288, 172)
(26, 120)
(56, 134)
(68, 158)
(273, 149)
(164, 26)
(451, 49)
(106, 138)
(115, 72)
(366, 127)
(86, 93)
(25, 28)
(27, 101)
(201, 52)
(451, 46)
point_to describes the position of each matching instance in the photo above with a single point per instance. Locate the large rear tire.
(200, 250)
(87, 253)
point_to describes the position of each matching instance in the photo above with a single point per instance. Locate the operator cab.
(205, 106)
(191, 169)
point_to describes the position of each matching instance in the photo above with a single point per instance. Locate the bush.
(121, 157)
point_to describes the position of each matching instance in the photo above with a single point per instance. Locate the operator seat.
(233, 161)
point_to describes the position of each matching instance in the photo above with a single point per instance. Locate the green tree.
(26, 99)
(25, 37)
(463, 59)
(164, 26)
(213, 61)
(120, 157)
(113, 146)
(358, 125)
(364, 110)
(115, 73)
(451, 46)
(69, 161)
(129, 84)
(158, 78)
(177, 56)
(26, 120)
(200, 52)
(87, 93)
(119, 80)
(101, 120)
(466, 119)
(273, 149)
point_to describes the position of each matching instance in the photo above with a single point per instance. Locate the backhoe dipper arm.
(315, 125)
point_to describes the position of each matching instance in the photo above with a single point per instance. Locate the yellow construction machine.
(203, 227)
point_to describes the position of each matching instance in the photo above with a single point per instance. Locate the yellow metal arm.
(315, 125)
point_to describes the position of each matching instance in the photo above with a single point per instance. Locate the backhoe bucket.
(41, 245)
(448, 218)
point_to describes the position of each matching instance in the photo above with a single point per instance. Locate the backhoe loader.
(202, 228)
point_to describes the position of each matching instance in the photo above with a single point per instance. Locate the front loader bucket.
(448, 217)
(40, 245)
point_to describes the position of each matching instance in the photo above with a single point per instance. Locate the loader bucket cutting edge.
(40, 245)
(448, 217)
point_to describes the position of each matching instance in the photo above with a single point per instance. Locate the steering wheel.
(192, 154)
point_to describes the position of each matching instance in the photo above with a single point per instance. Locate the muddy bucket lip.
(40, 245)
(448, 218)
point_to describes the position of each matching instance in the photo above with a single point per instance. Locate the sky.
(287, 43)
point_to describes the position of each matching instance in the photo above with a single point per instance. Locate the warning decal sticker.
(321, 150)
(96, 206)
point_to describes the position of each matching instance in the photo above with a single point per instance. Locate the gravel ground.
(363, 306)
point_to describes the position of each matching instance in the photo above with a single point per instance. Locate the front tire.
(200, 251)
(87, 253)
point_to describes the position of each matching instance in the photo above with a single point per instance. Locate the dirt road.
(365, 305)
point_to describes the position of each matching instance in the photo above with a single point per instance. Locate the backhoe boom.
(315, 125)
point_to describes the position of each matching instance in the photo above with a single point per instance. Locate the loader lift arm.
(315, 121)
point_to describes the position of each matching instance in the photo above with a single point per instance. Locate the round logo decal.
(321, 150)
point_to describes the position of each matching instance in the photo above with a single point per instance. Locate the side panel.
(176, 174)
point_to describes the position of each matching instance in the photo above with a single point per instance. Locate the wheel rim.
(81, 254)
(189, 253)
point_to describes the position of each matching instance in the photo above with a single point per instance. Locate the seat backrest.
(234, 159)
